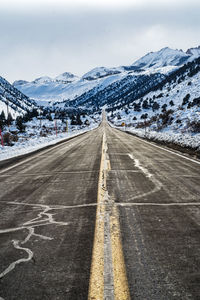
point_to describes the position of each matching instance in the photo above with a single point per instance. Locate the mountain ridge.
(68, 87)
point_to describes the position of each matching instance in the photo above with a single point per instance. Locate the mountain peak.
(66, 77)
(100, 72)
(19, 82)
(43, 79)
(164, 49)
(164, 57)
(194, 51)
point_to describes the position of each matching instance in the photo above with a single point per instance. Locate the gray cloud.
(53, 40)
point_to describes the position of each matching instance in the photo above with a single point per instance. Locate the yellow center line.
(96, 286)
(118, 269)
(121, 290)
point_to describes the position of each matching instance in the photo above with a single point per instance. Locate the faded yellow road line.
(106, 207)
(96, 286)
(121, 290)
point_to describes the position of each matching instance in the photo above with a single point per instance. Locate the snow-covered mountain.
(65, 87)
(12, 100)
(42, 80)
(103, 85)
(194, 51)
(101, 72)
(62, 78)
(167, 57)
(66, 77)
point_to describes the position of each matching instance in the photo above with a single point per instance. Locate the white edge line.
(167, 150)
(159, 204)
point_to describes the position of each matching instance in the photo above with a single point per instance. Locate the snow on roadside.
(36, 143)
(181, 139)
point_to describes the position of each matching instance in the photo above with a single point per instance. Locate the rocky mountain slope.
(12, 100)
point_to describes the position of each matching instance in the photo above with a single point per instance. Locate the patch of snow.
(181, 139)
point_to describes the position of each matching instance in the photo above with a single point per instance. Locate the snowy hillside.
(12, 100)
(173, 107)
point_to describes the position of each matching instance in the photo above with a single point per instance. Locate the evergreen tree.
(49, 117)
(2, 120)
(155, 106)
(19, 124)
(186, 99)
(9, 119)
(78, 120)
(73, 120)
(145, 104)
(137, 107)
(144, 116)
(164, 107)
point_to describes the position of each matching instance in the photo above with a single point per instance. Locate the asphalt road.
(158, 194)
(48, 205)
(50, 193)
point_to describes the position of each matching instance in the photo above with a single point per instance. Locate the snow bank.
(36, 143)
(184, 140)
(181, 139)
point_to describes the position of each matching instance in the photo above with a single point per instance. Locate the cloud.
(94, 3)
(78, 37)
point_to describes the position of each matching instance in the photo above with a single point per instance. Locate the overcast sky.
(49, 37)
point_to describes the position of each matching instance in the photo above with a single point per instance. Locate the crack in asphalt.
(44, 217)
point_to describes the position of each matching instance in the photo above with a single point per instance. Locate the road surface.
(104, 215)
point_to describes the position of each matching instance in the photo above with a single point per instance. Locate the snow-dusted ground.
(181, 139)
(36, 143)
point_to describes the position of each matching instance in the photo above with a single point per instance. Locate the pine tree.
(145, 104)
(19, 124)
(73, 120)
(2, 120)
(155, 106)
(9, 119)
(78, 120)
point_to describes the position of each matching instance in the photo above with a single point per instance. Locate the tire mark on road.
(157, 183)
